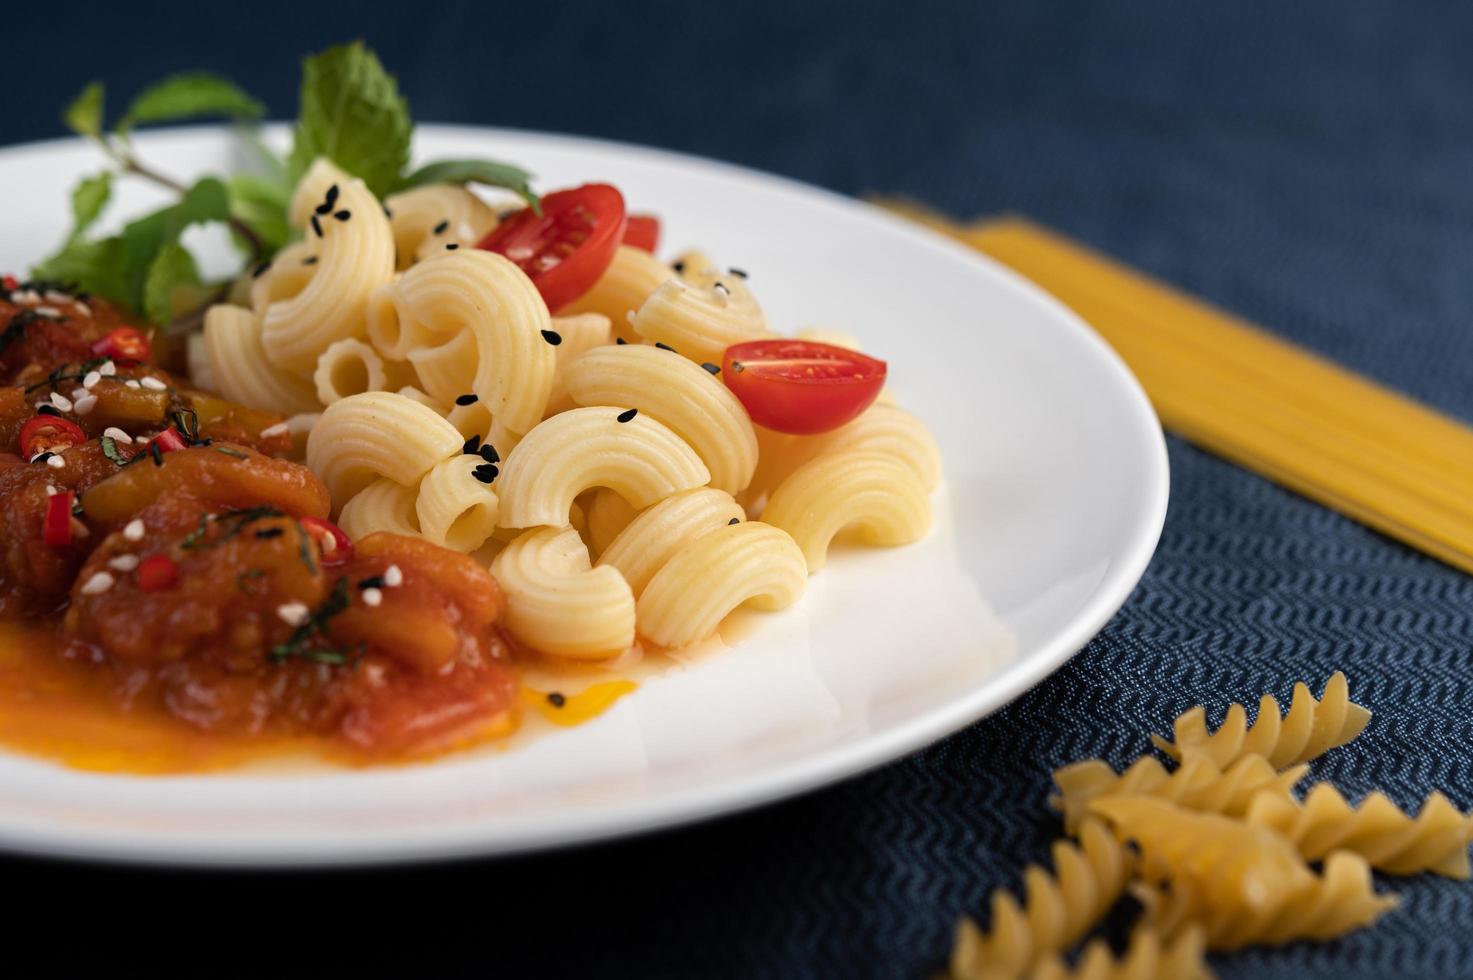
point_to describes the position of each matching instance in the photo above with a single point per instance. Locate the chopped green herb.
(193, 538)
(314, 626)
(110, 450)
(230, 452)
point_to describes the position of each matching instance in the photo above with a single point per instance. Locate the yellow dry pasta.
(1197, 785)
(1310, 728)
(748, 564)
(383, 505)
(455, 508)
(629, 280)
(1057, 909)
(638, 457)
(482, 293)
(355, 255)
(376, 434)
(882, 498)
(426, 219)
(232, 344)
(1391, 840)
(687, 398)
(1147, 956)
(653, 537)
(700, 322)
(577, 334)
(558, 603)
(607, 514)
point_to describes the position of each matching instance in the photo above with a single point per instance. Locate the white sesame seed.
(84, 309)
(329, 544)
(372, 597)
(519, 254)
(51, 491)
(99, 583)
(279, 429)
(155, 384)
(132, 384)
(55, 462)
(27, 296)
(107, 368)
(118, 435)
(123, 563)
(85, 404)
(293, 613)
(91, 378)
(48, 311)
(393, 577)
(134, 529)
(61, 401)
(52, 296)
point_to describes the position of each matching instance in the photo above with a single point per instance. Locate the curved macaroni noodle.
(654, 536)
(232, 345)
(629, 280)
(557, 603)
(426, 219)
(383, 505)
(701, 322)
(376, 434)
(578, 334)
(455, 508)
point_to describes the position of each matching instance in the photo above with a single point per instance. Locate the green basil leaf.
(352, 113)
(488, 172)
(94, 265)
(261, 203)
(89, 197)
(84, 115)
(188, 96)
(173, 267)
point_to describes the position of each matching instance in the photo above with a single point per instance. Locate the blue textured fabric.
(1307, 165)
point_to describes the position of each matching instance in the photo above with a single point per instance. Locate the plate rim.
(684, 806)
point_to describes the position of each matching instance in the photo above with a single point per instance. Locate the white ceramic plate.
(1055, 491)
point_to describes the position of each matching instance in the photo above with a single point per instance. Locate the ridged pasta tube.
(351, 367)
(455, 508)
(232, 342)
(355, 255)
(701, 322)
(577, 334)
(1057, 909)
(698, 407)
(1197, 785)
(628, 281)
(1391, 840)
(559, 604)
(876, 494)
(880, 428)
(484, 293)
(739, 564)
(376, 434)
(1310, 728)
(383, 505)
(426, 219)
(653, 537)
(286, 276)
(639, 458)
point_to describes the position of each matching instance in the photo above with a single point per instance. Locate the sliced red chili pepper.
(336, 546)
(156, 573)
(11, 283)
(168, 441)
(49, 433)
(57, 530)
(125, 345)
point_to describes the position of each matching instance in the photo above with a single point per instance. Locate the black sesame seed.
(489, 454)
(713, 368)
(452, 246)
(343, 215)
(387, 213)
(332, 196)
(270, 532)
(442, 226)
(556, 700)
(627, 416)
(485, 472)
(679, 267)
(721, 288)
(734, 520)
(260, 270)
(372, 582)
(472, 444)
(317, 225)
(323, 208)
(739, 273)
(620, 341)
(552, 337)
(665, 347)
(42, 457)
(47, 410)
(156, 453)
(469, 399)
(310, 260)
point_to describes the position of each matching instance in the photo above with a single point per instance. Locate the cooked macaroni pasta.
(426, 219)
(455, 507)
(241, 372)
(558, 603)
(377, 434)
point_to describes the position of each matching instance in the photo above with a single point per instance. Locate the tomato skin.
(56, 531)
(565, 249)
(156, 573)
(801, 387)
(43, 433)
(332, 541)
(124, 345)
(643, 232)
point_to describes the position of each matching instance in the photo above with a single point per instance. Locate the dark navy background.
(1308, 165)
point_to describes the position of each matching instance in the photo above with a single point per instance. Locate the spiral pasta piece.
(628, 281)
(355, 254)
(1057, 910)
(1391, 840)
(377, 434)
(232, 344)
(874, 493)
(558, 603)
(383, 505)
(638, 457)
(1197, 785)
(656, 534)
(426, 219)
(688, 399)
(455, 508)
(1310, 728)
(750, 564)
(701, 322)
(578, 334)
(1148, 956)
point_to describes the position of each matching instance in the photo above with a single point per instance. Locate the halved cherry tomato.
(56, 530)
(124, 345)
(801, 387)
(336, 546)
(49, 433)
(168, 441)
(156, 573)
(643, 232)
(566, 248)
